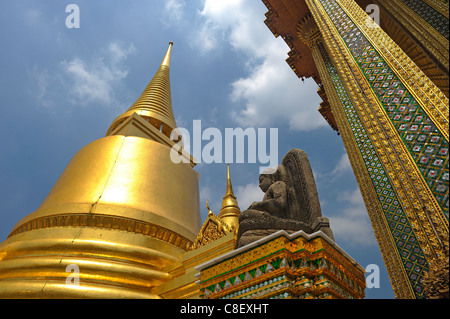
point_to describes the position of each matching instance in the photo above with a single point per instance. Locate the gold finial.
(166, 61)
(230, 209)
(229, 187)
(209, 209)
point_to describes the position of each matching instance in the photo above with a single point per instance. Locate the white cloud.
(238, 22)
(342, 166)
(88, 84)
(42, 80)
(85, 81)
(117, 51)
(94, 81)
(271, 92)
(33, 16)
(248, 194)
(352, 224)
(341, 169)
(173, 11)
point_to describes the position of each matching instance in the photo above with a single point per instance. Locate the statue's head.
(265, 180)
(268, 177)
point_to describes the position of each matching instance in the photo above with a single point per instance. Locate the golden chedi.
(120, 213)
(230, 211)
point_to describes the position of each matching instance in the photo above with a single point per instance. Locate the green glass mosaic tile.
(276, 263)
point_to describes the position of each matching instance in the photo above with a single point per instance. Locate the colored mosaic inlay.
(305, 273)
(281, 285)
(405, 240)
(271, 285)
(431, 16)
(425, 142)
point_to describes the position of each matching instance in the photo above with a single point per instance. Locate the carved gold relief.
(213, 228)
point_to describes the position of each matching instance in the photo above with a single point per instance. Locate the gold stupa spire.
(230, 209)
(155, 102)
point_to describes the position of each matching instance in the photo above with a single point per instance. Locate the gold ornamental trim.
(434, 42)
(107, 222)
(213, 228)
(438, 5)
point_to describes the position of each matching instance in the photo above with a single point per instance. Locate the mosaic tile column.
(394, 124)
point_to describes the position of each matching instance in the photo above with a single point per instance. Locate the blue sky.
(61, 88)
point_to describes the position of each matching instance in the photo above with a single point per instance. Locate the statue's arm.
(275, 199)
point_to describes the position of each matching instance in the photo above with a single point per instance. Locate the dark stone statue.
(290, 202)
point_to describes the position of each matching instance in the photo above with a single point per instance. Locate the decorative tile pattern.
(302, 269)
(405, 240)
(425, 142)
(269, 285)
(433, 17)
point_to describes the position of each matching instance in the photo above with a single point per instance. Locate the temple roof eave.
(282, 20)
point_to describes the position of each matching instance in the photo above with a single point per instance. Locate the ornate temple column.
(393, 121)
